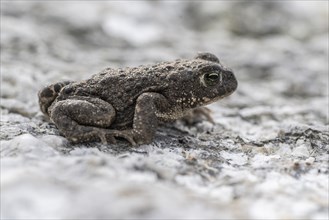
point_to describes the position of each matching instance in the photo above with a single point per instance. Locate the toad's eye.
(211, 78)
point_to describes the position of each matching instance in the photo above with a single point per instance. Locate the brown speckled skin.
(129, 102)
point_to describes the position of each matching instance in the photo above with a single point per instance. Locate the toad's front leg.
(145, 120)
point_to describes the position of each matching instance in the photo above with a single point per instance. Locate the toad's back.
(121, 87)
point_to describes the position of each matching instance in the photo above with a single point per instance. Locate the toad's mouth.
(229, 90)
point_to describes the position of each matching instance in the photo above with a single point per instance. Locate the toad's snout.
(229, 81)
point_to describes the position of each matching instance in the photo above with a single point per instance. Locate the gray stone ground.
(265, 158)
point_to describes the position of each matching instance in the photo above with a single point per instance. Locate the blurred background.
(276, 48)
(244, 167)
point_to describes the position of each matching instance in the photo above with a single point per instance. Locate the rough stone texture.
(266, 156)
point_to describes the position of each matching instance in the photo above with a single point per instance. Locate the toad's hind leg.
(83, 120)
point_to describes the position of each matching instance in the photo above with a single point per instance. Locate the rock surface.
(265, 158)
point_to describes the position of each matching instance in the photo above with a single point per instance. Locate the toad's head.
(204, 81)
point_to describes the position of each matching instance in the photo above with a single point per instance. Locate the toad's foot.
(104, 135)
(198, 115)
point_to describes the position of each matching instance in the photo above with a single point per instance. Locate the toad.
(129, 103)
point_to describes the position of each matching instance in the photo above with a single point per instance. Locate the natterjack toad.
(130, 102)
